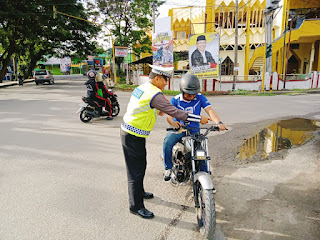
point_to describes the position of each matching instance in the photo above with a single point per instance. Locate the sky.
(164, 9)
(163, 12)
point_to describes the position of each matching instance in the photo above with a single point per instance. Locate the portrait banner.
(204, 54)
(162, 48)
(65, 64)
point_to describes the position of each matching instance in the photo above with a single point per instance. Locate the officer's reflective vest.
(140, 117)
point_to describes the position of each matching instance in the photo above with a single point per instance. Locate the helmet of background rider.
(190, 84)
(92, 74)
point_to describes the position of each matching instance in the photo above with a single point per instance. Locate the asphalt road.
(63, 179)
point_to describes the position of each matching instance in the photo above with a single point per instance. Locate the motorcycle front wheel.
(84, 117)
(115, 110)
(206, 214)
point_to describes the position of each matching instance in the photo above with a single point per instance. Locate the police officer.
(146, 103)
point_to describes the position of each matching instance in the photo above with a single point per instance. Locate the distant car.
(42, 76)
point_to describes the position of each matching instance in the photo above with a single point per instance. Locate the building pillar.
(247, 52)
(284, 15)
(311, 57)
(318, 67)
(210, 11)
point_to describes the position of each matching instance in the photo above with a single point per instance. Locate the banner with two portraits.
(204, 54)
(162, 48)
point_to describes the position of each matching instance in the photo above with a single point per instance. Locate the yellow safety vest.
(140, 117)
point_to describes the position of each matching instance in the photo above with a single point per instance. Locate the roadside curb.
(12, 83)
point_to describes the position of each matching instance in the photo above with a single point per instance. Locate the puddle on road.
(278, 136)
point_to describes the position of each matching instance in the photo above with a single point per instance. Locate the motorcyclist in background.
(97, 91)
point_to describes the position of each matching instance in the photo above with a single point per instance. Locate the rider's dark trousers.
(135, 154)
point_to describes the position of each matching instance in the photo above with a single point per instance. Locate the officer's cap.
(166, 71)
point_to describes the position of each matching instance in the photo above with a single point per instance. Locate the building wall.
(220, 17)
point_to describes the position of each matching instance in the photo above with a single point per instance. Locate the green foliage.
(213, 93)
(176, 57)
(130, 21)
(122, 75)
(28, 30)
(125, 87)
(239, 92)
(170, 92)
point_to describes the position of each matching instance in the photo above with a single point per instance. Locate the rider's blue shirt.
(194, 106)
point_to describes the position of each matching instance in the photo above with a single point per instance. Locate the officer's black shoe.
(147, 195)
(143, 212)
(109, 118)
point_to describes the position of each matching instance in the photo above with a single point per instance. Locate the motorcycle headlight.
(200, 154)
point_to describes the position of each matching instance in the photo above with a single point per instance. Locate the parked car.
(42, 76)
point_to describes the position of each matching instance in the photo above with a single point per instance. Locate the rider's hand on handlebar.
(175, 124)
(204, 119)
(222, 127)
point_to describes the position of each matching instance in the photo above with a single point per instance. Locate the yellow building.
(302, 54)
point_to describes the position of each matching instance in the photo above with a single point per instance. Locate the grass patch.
(263, 94)
(125, 87)
(129, 88)
(214, 93)
(170, 92)
(239, 92)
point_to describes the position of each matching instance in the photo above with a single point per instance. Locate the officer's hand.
(204, 119)
(176, 124)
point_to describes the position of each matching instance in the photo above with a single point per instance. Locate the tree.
(28, 31)
(130, 20)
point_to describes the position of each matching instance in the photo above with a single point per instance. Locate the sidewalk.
(12, 83)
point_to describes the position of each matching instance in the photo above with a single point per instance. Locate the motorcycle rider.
(190, 100)
(97, 91)
(20, 78)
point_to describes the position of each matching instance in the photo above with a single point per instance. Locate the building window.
(227, 67)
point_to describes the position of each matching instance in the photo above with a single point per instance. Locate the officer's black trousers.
(135, 154)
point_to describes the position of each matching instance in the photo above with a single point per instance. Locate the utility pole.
(154, 16)
(288, 49)
(235, 70)
(271, 6)
(220, 59)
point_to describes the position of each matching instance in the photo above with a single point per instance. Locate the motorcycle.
(90, 109)
(187, 156)
(20, 79)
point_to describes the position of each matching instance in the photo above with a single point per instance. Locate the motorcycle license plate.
(83, 104)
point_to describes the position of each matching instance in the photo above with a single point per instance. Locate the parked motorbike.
(90, 109)
(187, 156)
(20, 79)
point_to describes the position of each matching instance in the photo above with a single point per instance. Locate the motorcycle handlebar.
(212, 128)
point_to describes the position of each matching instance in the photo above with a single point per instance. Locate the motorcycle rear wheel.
(206, 214)
(115, 110)
(83, 116)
